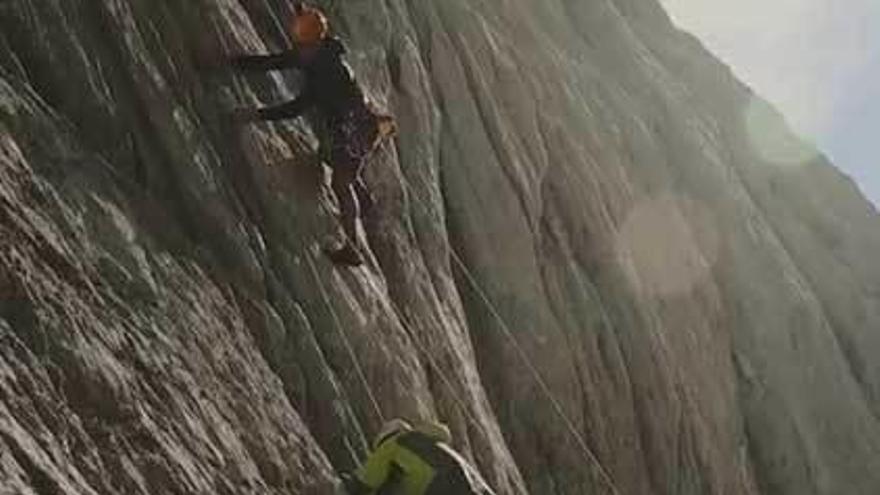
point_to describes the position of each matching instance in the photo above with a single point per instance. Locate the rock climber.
(353, 127)
(415, 460)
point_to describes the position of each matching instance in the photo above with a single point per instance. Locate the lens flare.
(670, 245)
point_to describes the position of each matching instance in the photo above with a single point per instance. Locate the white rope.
(338, 326)
(423, 348)
(508, 333)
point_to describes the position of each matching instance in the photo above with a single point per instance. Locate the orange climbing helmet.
(309, 25)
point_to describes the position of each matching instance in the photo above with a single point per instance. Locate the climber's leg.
(364, 197)
(345, 175)
(351, 140)
(343, 183)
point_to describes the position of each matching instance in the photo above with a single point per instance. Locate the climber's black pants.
(352, 193)
(352, 138)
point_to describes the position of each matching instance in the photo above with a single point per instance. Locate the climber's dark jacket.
(329, 83)
(415, 463)
(349, 128)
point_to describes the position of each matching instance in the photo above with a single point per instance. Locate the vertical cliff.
(605, 262)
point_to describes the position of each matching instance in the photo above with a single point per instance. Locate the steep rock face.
(599, 257)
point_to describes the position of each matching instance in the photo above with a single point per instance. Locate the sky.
(817, 61)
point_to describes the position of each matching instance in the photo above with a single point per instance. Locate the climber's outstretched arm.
(289, 110)
(288, 59)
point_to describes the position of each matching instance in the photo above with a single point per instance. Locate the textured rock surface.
(587, 225)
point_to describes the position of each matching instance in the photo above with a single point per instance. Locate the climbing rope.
(423, 349)
(337, 324)
(508, 334)
(356, 362)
